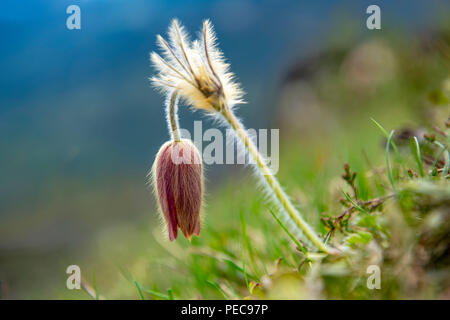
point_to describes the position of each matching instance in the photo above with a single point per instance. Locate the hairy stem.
(172, 117)
(272, 183)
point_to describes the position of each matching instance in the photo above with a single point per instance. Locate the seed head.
(197, 69)
(178, 186)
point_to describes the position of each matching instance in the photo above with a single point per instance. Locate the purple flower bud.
(178, 185)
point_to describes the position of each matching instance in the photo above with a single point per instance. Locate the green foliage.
(249, 256)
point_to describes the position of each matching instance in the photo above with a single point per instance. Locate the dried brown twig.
(371, 205)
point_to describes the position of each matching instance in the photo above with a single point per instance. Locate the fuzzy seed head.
(178, 186)
(197, 69)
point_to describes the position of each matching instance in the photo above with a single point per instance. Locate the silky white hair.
(195, 69)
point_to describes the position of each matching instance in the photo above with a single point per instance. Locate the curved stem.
(172, 117)
(273, 183)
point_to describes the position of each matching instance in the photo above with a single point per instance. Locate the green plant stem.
(272, 182)
(172, 109)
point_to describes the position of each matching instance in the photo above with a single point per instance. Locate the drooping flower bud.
(178, 186)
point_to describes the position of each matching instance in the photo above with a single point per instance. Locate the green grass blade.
(125, 273)
(441, 152)
(327, 238)
(236, 267)
(392, 143)
(447, 163)
(243, 267)
(415, 149)
(388, 162)
(228, 261)
(170, 294)
(386, 135)
(299, 245)
(139, 290)
(353, 202)
(129, 277)
(156, 293)
(218, 288)
(248, 245)
(380, 127)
